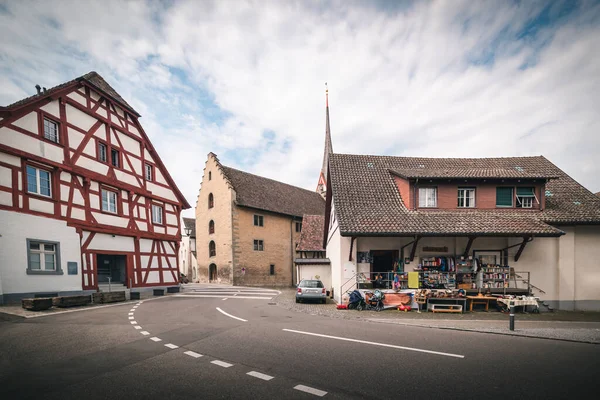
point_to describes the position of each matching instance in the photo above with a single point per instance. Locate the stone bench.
(159, 292)
(108, 297)
(173, 289)
(71, 301)
(37, 304)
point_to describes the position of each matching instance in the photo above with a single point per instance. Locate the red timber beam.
(413, 250)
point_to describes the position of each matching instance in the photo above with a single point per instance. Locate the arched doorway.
(212, 272)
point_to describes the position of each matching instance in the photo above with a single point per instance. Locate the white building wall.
(15, 229)
(587, 272)
(309, 271)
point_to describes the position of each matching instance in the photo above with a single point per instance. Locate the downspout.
(415, 194)
(292, 248)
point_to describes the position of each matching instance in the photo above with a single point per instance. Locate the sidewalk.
(575, 326)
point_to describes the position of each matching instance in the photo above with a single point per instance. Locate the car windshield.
(311, 284)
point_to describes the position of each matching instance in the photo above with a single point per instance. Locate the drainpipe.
(292, 248)
(415, 194)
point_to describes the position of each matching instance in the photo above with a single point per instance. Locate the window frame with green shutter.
(512, 197)
(521, 197)
(42, 255)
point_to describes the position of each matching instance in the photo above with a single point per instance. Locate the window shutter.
(525, 192)
(504, 197)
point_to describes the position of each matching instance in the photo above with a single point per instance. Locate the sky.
(246, 80)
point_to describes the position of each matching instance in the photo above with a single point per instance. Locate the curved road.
(223, 342)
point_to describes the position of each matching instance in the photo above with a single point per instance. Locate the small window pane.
(114, 156)
(31, 179)
(34, 261)
(49, 262)
(49, 247)
(34, 246)
(148, 172)
(50, 130)
(44, 182)
(102, 152)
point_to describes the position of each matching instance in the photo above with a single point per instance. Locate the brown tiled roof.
(598, 194)
(311, 238)
(190, 223)
(475, 172)
(270, 195)
(93, 78)
(367, 201)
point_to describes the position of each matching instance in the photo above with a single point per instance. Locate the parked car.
(311, 289)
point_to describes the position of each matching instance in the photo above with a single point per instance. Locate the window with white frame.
(109, 201)
(38, 181)
(258, 245)
(157, 214)
(428, 197)
(466, 197)
(50, 130)
(102, 154)
(148, 172)
(259, 220)
(43, 257)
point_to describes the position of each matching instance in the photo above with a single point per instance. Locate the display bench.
(446, 304)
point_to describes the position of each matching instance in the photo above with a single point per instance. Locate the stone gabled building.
(248, 226)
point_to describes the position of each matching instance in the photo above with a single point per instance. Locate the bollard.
(512, 318)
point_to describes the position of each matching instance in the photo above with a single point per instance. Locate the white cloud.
(415, 81)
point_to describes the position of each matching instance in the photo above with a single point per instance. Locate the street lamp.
(188, 231)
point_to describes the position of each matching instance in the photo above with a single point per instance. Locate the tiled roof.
(475, 172)
(270, 195)
(598, 194)
(311, 238)
(93, 78)
(367, 201)
(191, 224)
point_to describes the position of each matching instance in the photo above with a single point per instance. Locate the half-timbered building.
(84, 197)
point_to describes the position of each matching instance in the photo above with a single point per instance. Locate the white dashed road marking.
(133, 322)
(145, 333)
(308, 389)
(192, 354)
(222, 364)
(231, 316)
(137, 327)
(130, 313)
(155, 339)
(130, 317)
(377, 344)
(221, 296)
(171, 346)
(225, 298)
(260, 376)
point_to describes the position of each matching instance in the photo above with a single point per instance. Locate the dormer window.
(525, 197)
(428, 197)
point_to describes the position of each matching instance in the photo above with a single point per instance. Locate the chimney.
(44, 90)
(39, 89)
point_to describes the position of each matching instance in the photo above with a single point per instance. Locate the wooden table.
(480, 300)
(456, 300)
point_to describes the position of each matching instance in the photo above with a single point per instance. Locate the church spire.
(322, 185)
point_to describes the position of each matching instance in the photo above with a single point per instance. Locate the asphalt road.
(247, 348)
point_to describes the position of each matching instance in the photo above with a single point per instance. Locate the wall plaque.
(72, 268)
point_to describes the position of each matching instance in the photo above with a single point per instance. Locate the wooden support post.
(414, 248)
(522, 247)
(351, 247)
(468, 248)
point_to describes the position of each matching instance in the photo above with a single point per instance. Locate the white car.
(311, 289)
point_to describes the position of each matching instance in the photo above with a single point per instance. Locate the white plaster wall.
(540, 259)
(106, 219)
(28, 122)
(134, 130)
(52, 108)
(311, 271)
(145, 246)
(171, 219)
(79, 118)
(5, 177)
(75, 137)
(41, 205)
(125, 177)
(102, 241)
(31, 145)
(75, 95)
(77, 213)
(92, 165)
(333, 252)
(131, 145)
(161, 191)
(153, 277)
(15, 229)
(566, 269)
(10, 159)
(6, 198)
(587, 272)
